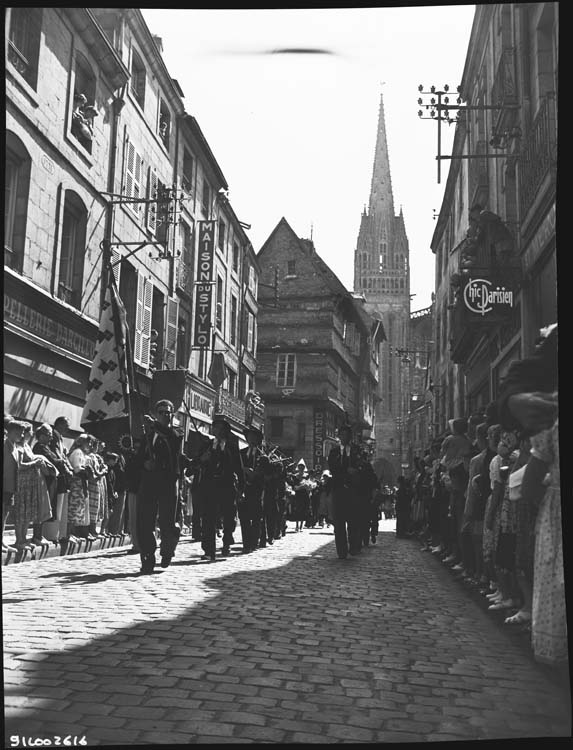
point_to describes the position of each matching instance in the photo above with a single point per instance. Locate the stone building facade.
(105, 169)
(505, 158)
(317, 351)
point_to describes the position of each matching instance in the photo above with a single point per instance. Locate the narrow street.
(285, 645)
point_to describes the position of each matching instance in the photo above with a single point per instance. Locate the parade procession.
(282, 377)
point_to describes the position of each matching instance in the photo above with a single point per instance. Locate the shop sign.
(481, 296)
(199, 404)
(231, 406)
(204, 284)
(51, 331)
(318, 438)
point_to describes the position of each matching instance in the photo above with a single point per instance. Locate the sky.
(294, 134)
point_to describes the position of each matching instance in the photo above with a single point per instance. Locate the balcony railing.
(538, 156)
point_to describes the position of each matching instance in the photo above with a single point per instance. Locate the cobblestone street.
(288, 644)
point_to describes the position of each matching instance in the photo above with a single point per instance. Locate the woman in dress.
(97, 490)
(491, 529)
(32, 498)
(549, 623)
(78, 508)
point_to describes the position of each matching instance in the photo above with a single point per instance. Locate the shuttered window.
(152, 185)
(132, 187)
(143, 321)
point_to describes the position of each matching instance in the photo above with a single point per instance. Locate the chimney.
(158, 42)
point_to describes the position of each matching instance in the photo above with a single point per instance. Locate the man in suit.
(344, 464)
(159, 461)
(60, 430)
(221, 481)
(251, 504)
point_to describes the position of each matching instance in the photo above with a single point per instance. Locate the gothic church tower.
(382, 275)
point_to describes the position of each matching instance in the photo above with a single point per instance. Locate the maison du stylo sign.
(204, 285)
(482, 296)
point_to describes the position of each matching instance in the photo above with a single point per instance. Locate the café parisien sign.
(481, 296)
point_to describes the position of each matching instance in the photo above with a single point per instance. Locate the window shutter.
(146, 329)
(137, 179)
(143, 321)
(138, 319)
(129, 167)
(152, 195)
(170, 355)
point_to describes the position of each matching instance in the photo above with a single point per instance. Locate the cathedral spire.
(381, 198)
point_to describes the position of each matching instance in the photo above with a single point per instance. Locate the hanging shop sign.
(482, 296)
(204, 284)
(318, 439)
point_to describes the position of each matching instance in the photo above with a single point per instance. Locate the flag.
(106, 412)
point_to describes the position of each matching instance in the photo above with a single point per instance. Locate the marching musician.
(251, 504)
(344, 462)
(220, 482)
(159, 460)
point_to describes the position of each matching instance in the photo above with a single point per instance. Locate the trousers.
(157, 503)
(216, 500)
(346, 522)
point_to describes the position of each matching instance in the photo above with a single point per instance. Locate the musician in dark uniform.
(221, 482)
(251, 503)
(344, 462)
(158, 461)
(270, 503)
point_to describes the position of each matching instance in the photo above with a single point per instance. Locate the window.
(133, 177)
(291, 267)
(70, 278)
(236, 257)
(219, 305)
(221, 237)
(187, 177)
(24, 42)
(171, 334)
(276, 427)
(16, 185)
(250, 332)
(252, 281)
(234, 312)
(232, 383)
(84, 110)
(138, 78)
(164, 128)
(206, 199)
(286, 370)
(182, 359)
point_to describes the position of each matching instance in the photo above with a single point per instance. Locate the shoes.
(436, 550)
(225, 552)
(246, 550)
(494, 595)
(373, 539)
(39, 540)
(133, 551)
(165, 560)
(92, 537)
(208, 557)
(449, 559)
(343, 557)
(459, 566)
(503, 604)
(518, 618)
(270, 541)
(147, 564)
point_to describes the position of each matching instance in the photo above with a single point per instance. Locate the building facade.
(317, 351)
(496, 278)
(106, 170)
(382, 275)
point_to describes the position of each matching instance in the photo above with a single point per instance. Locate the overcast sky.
(294, 134)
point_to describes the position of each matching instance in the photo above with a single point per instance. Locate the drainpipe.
(117, 106)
